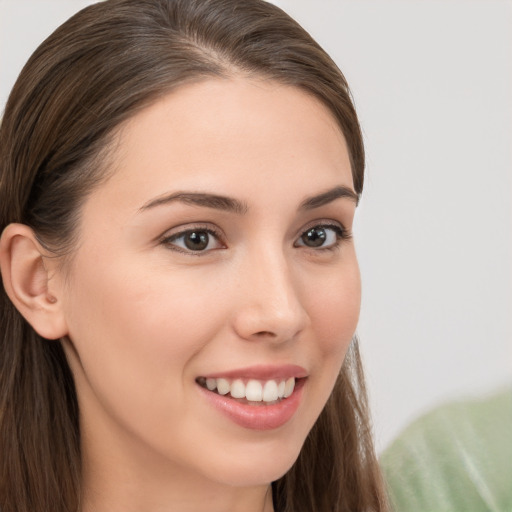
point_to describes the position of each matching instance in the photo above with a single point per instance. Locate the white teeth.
(289, 387)
(238, 389)
(223, 386)
(254, 390)
(270, 393)
(280, 389)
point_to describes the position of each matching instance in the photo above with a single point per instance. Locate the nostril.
(265, 334)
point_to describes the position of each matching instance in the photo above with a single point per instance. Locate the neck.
(137, 498)
(135, 482)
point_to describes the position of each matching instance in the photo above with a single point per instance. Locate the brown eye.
(196, 240)
(193, 241)
(321, 237)
(314, 237)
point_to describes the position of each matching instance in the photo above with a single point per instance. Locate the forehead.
(229, 136)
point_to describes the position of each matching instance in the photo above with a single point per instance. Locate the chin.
(256, 466)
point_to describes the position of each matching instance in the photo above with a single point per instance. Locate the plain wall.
(432, 83)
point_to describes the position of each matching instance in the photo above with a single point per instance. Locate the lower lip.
(257, 417)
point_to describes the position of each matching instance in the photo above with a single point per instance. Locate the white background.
(432, 82)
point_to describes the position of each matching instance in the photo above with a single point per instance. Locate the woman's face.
(217, 254)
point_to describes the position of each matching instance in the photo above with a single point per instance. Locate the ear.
(27, 281)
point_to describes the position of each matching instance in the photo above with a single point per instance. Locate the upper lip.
(261, 372)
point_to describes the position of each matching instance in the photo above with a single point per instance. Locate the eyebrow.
(232, 205)
(329, 196)
(200, 199)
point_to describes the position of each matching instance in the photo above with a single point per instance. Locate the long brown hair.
(94, 72)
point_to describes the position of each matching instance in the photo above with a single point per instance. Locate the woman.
(180, 286)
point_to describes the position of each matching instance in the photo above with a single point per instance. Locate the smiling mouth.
(252, 391)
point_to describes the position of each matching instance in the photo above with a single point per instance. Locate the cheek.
(124, 303)
(334, 310)
(135, 332)
(334, 306)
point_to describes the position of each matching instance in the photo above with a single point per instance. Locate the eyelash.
(341, 234)
(168, 240)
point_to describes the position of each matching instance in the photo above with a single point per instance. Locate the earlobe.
(27, 281)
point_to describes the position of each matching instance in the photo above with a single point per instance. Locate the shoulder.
(456, 457)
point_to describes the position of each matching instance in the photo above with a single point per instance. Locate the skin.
(145, 317)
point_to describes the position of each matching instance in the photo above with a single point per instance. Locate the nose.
(270, 305)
